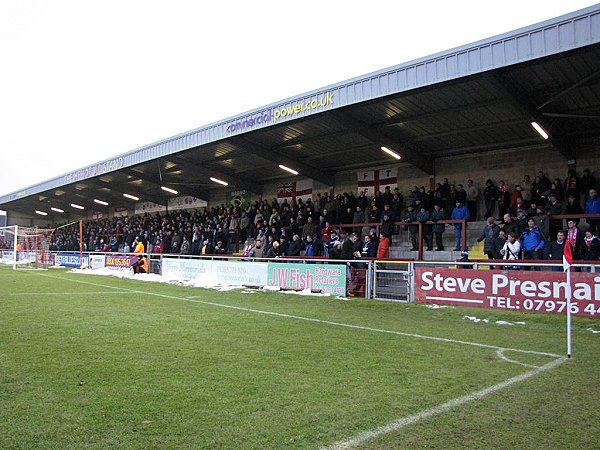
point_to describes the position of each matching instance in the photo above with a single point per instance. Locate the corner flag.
(567, 256)
(567, 261)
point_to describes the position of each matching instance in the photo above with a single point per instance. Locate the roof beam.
(146, 194)
(317, 174)
(301, 140)
(569, 89)
(403, 119)
(454, 131)
(197, 193)
(504, 145)
(86, 197)
(230, 176)
(573, 116)
(519, 98)
(410, 155)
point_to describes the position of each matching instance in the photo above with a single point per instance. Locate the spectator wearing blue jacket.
(459, 213)
(592, 206)
(309, 249)
(532, 242)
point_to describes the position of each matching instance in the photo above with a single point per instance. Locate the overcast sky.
(83, 81)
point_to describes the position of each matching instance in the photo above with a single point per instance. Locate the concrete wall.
(510, 165)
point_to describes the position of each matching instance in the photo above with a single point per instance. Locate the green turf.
(90, 362)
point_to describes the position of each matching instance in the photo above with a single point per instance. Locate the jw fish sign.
(329, 279)
(516, 290)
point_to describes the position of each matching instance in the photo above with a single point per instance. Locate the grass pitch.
(92, 362)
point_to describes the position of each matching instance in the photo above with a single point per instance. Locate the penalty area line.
(440, 409)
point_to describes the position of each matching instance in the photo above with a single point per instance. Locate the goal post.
(8, 245)
(31, 247)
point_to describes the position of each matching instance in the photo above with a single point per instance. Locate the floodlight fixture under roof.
(287, 169)
(390, 152)
(167, 189)
(543, 133)
(216, 180)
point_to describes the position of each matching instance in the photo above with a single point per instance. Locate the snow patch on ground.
(498, 322)
(475, 319)
(204, 283)
(305, 292)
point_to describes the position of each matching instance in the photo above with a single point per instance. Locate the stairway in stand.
(401, 245)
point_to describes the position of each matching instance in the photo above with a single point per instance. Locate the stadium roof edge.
(218, 130)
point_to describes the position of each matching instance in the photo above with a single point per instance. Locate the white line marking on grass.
(437, 410)
(500, 354)
(400, 423)
(310, 319)
(64, 293)
(116, 288)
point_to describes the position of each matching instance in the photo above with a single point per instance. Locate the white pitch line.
(87, 282)
(500, 354)
(310, 319)
(403, 422)
(63, 293)
(440, 409)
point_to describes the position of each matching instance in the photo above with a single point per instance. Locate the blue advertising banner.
(70, 259)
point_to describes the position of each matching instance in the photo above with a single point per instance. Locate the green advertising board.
(329, 278)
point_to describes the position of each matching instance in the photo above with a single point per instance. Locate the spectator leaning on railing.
(512, 248)
(591, 247)
(438, 214)
(532, 242)
(488, 235)
(556, 250)
(460, 212)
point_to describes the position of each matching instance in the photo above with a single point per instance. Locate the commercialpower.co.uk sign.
(275, 114)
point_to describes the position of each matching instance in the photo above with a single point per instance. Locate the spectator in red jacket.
(383, 250)
(325, 237)
(159, 246)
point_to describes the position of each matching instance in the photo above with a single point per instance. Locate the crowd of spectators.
(346, 225)
(528, 229)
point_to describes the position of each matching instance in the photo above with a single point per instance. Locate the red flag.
(567, 256)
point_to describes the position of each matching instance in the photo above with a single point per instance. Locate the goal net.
(34, 247)
(26, 247)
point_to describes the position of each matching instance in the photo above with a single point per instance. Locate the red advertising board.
(518, 290)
